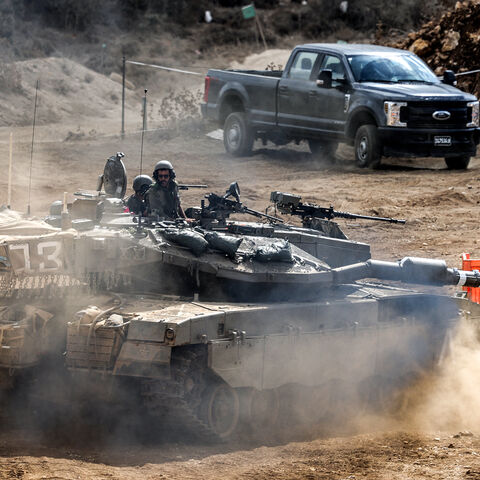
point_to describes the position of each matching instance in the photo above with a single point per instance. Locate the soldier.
(162, 198)
(136, 202)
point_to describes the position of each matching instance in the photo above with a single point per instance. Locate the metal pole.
(9, 188)
(143, 129)
(261, 32)
(31, 150)
(123, 97)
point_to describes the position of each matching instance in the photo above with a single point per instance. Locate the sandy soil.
(441, 208)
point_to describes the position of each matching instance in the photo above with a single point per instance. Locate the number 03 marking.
(48, 253)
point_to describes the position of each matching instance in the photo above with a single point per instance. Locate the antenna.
(144, 126)
(31, 150)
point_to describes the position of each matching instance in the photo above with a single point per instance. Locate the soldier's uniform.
(164, 202)
(136, 205)
(136, 202)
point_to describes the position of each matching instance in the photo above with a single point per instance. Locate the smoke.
(449, 401)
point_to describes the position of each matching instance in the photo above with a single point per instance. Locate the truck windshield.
(394, 68)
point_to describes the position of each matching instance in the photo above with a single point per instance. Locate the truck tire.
(323, 149)
(457, 163)
(367, 147)
(237, 135)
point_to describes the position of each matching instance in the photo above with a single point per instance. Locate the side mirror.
(324, 79)
(449, 78)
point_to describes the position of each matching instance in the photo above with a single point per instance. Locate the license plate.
(442, 141)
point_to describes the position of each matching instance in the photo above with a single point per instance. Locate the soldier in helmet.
(162, 198)
(136, 202)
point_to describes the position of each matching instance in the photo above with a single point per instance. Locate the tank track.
(176, 402)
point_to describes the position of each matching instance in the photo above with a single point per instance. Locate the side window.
(335, 65)
(302, 65)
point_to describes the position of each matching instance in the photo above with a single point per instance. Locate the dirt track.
(441, 208)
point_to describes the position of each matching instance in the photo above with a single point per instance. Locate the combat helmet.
(141, 183)
(163, 165)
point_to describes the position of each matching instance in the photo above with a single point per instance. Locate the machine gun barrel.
(186, 186)
(366, 217)
(260, 214)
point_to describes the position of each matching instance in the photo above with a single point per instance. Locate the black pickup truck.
(383, 101)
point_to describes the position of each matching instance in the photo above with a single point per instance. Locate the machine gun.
(291, 204)
(188, 186)
(219, 208)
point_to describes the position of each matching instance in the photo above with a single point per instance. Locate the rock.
(450, 42)
(420, 47)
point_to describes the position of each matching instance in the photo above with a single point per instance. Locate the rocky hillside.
(452, 43)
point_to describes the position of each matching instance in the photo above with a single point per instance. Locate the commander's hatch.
(113, 180)
(96, 205)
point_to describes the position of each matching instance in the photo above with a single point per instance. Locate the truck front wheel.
(237, 135)
(457, 163)
(367, 147)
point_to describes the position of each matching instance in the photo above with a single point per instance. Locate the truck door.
(331, 104)
(295, 108)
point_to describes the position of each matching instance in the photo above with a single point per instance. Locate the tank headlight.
(392, 111)
(475, 114)
(169, 334)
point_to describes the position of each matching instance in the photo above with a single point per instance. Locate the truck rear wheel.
(367, 147)
(324, 150)
(237, 135)
(457, 163)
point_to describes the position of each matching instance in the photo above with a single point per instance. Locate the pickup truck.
(382, 101)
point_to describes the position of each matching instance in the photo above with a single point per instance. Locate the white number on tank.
(48, 253)
(26, 256)
(53, 258)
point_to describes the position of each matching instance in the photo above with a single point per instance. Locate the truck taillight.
(207, 88)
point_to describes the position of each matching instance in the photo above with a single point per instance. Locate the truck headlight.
(475, 116)
(392, 111)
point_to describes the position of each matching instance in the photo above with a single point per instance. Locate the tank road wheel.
(323, 150)
(237, 135)
(367, 147)
(221, 410)
(262, 408)
(457, 163)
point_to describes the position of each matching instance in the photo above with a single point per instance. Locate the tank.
(220, 331)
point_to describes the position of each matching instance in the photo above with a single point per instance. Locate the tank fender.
(143, 359)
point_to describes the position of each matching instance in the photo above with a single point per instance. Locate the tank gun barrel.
(423, 271)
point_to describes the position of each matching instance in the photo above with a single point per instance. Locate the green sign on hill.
(248, 11)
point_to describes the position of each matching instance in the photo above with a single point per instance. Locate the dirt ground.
(440, 207)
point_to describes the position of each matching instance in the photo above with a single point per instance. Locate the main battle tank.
(221, 332)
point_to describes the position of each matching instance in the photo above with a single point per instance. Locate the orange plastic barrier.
(471, 264)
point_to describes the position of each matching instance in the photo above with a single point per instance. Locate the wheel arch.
(360, 117)
(232, 99)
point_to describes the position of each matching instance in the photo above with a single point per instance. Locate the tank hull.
(194, 355)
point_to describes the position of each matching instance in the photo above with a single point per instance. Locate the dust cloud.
(449, 401)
